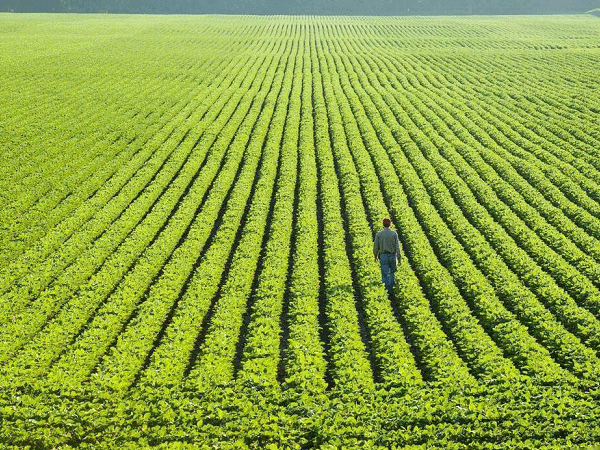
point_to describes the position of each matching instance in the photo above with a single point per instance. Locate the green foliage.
(187, 208)
(237, 417)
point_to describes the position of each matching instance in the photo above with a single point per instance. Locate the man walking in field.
(386, 249)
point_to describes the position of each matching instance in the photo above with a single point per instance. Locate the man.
(386, 249)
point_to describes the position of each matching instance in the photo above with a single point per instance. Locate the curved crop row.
(304, 366)
(350, 366)
(472, 284)
(216, 361)
(142, 231)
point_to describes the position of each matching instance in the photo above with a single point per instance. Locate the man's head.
(387, 222)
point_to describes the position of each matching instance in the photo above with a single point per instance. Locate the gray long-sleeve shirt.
(386, 241)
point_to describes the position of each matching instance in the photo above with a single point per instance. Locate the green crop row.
(87, 181)
(187, 217)
(449, 300)
(579, 321)
(390, 351)
(491, 269)
(350, 367)
(207, 190)
(260, 345)
(216, 360)
(304, 363)
(113, 269)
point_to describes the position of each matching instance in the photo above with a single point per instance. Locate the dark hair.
(387, 222)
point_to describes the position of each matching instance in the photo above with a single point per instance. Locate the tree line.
(317, 7)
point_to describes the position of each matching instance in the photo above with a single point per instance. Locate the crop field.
(187, 213)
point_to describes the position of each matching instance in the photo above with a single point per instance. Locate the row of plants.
(570, 115)
(53, 286)
(65, 180)
(436, 355)
(164, 129)
(113, 293)
(391, 354)
(349, 364)
(29, 265)
(571, 153)
(229, 337)
(474, 287)
(576, 186)
(261, 336)
(38, 220)
(42, 155)
(217, 278)
(50, 207)
(567, 138)
(35, 195)
(241, 417)
(587, 223)
(218, 259)
(105, 262)
(157, 273)
(565, 348)
(85, 136)
(490, 362)
(576, 224)
(469, 139)
(503, 280)
(572, 279)
(304, 340)
(575, 318)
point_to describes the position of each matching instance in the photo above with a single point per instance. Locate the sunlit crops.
(187, 213)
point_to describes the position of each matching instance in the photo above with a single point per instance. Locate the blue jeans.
(388, 269)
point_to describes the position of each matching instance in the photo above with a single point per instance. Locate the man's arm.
(398, 254)
(376, 246)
